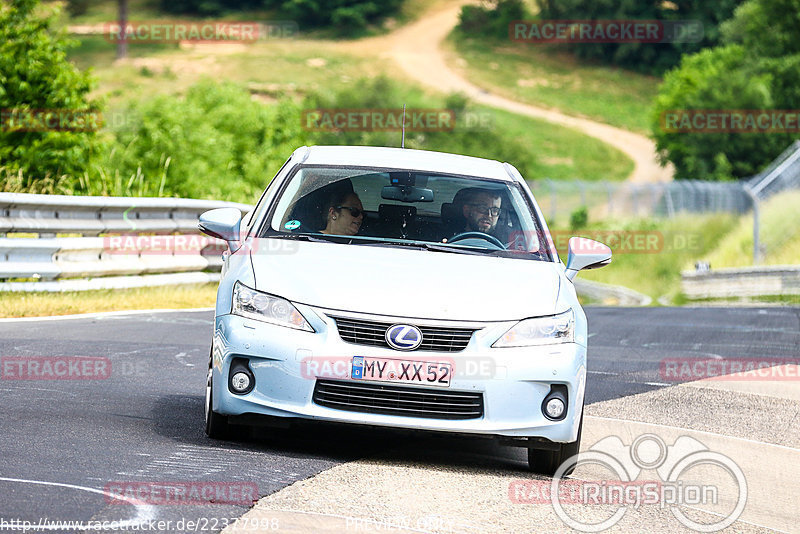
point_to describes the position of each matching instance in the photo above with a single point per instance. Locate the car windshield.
(431, 211)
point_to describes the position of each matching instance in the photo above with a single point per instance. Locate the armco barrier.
(742, 282)
(33, 250)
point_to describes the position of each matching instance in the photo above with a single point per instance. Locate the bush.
(343, 16)
(37, 76)
(643, 57)
(490, 19)
(383, 93)
(214, 143)
(77, 7)
(758, 68)
(579, 218)
(208, 7)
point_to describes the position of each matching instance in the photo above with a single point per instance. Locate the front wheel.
(547, 462)
(216, 425)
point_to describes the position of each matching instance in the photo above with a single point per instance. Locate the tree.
(757, 68)
(122, 18)
(38, 83)
(652, 58)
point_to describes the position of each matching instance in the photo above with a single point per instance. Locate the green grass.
(144, 298)
(779, 236)
(96, 51)
(562, 153)
(555, 79)
(297, 67)
(101, 11)
(268, 69)
(654, 270)
(723, 240)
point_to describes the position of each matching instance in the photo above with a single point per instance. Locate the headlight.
(540, 331)
(268, 308)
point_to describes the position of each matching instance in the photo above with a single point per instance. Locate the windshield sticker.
(292, 225)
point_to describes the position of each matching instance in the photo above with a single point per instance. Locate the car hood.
(405, 282)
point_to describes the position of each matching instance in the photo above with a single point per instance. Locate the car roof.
(406, 158)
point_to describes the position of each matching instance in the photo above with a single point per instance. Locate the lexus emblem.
(403, 337)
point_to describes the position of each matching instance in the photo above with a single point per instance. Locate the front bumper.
(286, 364)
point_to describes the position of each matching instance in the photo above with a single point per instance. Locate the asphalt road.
(61, 439)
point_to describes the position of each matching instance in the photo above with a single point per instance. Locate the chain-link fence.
(559, 198)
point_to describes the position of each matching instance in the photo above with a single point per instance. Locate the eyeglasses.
(493, 210)
(355, 212)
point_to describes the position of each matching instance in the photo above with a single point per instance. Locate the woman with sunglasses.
(345, 215)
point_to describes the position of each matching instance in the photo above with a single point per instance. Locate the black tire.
(217, 426)
(547, 462)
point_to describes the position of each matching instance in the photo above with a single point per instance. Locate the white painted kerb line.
(144, 512)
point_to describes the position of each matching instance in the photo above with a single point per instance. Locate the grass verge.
(779, 236)
(546, 77)
(653, 267)
(556, 152)
(561, 153)
(144, 298)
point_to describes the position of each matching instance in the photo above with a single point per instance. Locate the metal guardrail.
(742, 282)
(120, 239)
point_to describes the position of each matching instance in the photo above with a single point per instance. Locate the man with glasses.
(481, 210)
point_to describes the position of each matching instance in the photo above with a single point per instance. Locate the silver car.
(400, 288)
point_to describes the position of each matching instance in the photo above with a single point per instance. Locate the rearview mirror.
(586, 254)
(407, 193)
(222, 223)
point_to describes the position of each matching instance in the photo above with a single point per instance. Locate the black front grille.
(398, 400)
(434, 338)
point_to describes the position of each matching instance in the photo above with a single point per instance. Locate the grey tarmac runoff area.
(66, 442)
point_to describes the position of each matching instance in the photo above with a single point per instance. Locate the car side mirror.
(586, 254)
(222, 223)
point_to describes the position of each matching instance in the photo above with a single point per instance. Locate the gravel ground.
(424, 493)
(736, 414)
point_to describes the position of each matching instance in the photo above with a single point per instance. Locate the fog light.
(554, 405)
(554, 408)
(240, 382)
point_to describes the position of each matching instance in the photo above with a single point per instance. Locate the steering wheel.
(477, 235)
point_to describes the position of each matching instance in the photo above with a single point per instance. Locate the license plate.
(404, 371)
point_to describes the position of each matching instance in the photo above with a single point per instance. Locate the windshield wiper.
(433, 247)
(461, 250)
(318, 238)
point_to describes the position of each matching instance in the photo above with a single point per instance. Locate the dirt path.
(416, 48)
